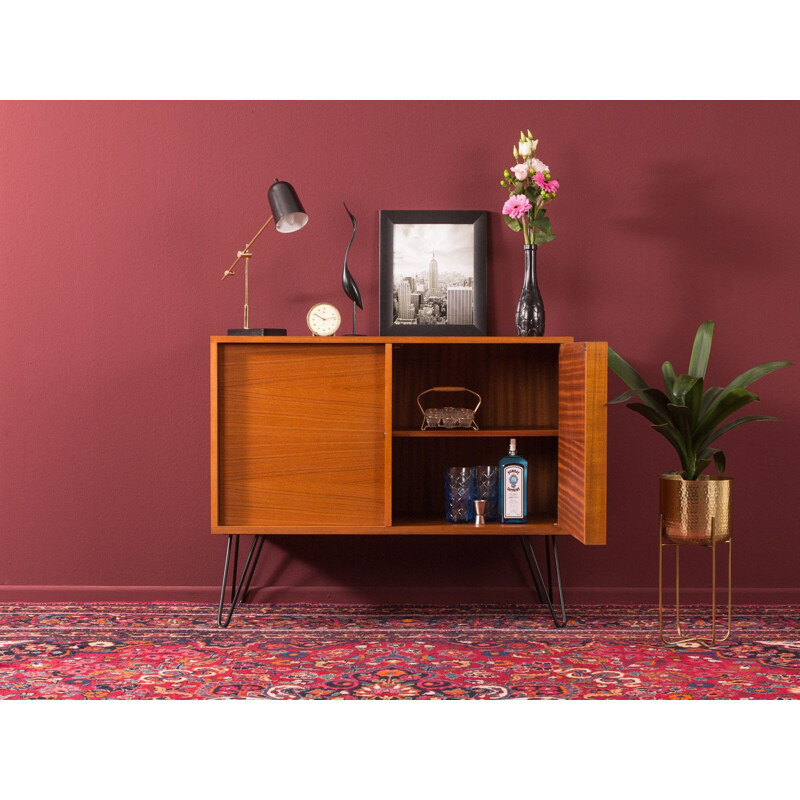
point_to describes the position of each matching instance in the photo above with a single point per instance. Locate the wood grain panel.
(301, 438)
(583, 375)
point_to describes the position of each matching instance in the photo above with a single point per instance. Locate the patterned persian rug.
(176, 650)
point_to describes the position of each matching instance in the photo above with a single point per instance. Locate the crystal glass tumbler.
(484, 479)
(459, 494)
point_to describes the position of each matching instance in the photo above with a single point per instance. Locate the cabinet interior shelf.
(539, 524)
(499, 433)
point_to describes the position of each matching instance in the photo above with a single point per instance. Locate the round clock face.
(323, 319)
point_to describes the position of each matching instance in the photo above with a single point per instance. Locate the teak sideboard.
(322, 435)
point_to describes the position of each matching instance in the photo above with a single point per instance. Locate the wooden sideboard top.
(325, 340)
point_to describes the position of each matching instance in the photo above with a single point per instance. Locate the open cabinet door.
(583, 389)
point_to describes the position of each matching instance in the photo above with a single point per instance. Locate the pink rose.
(539, 166)
(516, 206)
(520, 171)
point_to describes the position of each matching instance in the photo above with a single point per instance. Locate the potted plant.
(692, 417)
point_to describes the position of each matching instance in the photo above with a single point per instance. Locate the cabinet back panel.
(301, 434)
(518, 383)
(419, 465)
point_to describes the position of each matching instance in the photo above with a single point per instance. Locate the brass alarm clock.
(323, 319)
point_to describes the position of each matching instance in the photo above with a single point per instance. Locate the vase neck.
(530, 265)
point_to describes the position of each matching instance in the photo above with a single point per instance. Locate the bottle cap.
(512, 446)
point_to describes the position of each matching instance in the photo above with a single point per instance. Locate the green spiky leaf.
(648, 413)
(623, 370)
(701, 349)
(756, 373)
(729, 402)
(625, 396)
(735, 424)
(683, 384)
(668, 373)
(709, 396)
(696, 470)
(682, 418)
(746, 378)
(694, 399)
(718, 456)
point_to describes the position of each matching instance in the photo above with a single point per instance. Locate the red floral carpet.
(176, 650)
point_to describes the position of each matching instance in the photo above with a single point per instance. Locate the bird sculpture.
(348, 284)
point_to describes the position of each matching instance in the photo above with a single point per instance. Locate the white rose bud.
(525, 149)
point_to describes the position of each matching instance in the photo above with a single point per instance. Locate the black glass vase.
(530, 309)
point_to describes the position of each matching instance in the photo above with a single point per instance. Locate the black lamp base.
(256, 331)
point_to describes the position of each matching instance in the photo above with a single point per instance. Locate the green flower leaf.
(539, 237)
(542, 230)
(513, 223)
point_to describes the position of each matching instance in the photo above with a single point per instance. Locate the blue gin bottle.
(513, 486)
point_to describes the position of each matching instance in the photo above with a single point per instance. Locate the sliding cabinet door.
(300, 437)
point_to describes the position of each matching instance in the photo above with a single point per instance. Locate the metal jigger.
(480, 507)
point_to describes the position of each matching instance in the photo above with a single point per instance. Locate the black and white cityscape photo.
(433, 274)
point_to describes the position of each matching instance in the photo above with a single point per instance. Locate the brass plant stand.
(703, 641)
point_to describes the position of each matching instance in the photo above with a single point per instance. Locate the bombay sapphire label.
(512, 492)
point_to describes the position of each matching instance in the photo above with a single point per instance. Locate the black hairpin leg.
(238, 594)
(546, 596)
(532, 565)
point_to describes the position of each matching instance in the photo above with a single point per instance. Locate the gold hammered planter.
(689, 507)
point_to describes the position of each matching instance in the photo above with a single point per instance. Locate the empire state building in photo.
(433, 277)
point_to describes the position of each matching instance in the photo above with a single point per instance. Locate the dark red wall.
(117, 220)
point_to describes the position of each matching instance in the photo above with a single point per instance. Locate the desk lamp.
(289, 216)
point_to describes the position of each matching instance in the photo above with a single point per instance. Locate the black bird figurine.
(348, 284)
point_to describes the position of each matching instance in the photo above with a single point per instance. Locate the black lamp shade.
(286, 207)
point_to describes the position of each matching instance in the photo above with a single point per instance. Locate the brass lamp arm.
(245, 253)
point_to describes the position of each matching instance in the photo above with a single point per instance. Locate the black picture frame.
(401, 227)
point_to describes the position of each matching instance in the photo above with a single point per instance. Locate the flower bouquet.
(530, 187)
